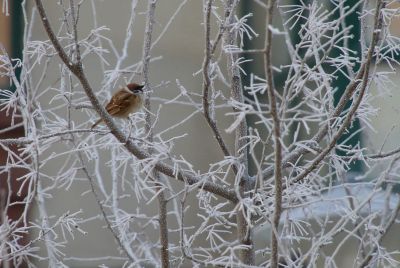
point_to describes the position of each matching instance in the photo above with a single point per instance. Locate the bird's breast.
(135, 103)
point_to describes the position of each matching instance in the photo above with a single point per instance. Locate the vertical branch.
(236, 85)
(75, 29)
(207, 82)
(162, 202)
(244, 231)
(277, 136)
(52, 257)
(162, 212)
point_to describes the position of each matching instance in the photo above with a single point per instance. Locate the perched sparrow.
(124, 102)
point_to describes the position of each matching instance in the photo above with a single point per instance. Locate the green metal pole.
(17, 29)
(341, 82)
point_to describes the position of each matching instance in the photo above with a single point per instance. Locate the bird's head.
(135, 88)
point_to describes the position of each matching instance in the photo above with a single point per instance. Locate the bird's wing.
(118, 103)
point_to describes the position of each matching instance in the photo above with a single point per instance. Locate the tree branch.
(207, 83)
(162, 202)
(277, 136)
(118, 134)
(243, 182)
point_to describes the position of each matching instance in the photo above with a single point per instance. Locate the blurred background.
(182, 51)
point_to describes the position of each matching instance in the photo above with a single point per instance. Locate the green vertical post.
(255, 66)
(17, 29)
(341, 82)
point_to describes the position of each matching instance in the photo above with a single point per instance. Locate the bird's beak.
(140, 88)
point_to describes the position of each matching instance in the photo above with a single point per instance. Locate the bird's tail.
(97, 122)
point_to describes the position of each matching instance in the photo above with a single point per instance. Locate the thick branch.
(119, 135)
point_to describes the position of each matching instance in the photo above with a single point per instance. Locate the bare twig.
(249, 51)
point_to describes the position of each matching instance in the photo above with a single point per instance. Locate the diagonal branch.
(77, 70)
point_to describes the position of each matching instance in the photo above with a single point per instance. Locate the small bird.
(125, 101)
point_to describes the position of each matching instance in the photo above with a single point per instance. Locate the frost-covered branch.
(207, 82)
(277, 135)
(76, 69)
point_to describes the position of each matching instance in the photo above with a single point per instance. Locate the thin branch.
(24, 141)
(207, 83)
(177, 10)
(386, 224)
(377, 156)
(248, 51)
(277, 136)
(262, 4)
(243, 182)
(75, 30)
(162, 202)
